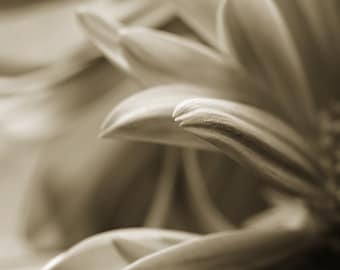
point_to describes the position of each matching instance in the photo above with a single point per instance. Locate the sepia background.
(65, 176)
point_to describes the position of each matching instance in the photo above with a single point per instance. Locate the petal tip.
(98, 27)
(180, 109)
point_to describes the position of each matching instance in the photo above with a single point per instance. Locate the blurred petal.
(47, 114)
(146, 13)
(155, 57)
(80, 177)
(116, 249)
(200, 15)
(250, 145)
(147, 116)
(290, 211)
(228, 183)
(105, 36)
(87, 187)
(221, 31)
(152, 13)
(47, 78)
(207, 215)
(165, 190)
(240, 249)
(262, 43)
(74, 61)
(314, 27)
(47, 29)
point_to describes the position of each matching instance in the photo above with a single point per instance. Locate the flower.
(57, 110)
(266, 98)
(80, 177)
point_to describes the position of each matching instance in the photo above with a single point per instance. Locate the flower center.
(330, 157)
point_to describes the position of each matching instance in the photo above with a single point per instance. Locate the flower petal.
(228, 184)
(258, 118)
(314, 27)
(200, 15)
(147, 116)
(155, 57)
(90, 168)
(179, 60)
(251, 145)
(291, 210)
(114, 250)
(47, 78)
(165, 190)
(239, 249)
(262, 43)
(207, 215)
(48, 114)
(35, 35)
(152, 13)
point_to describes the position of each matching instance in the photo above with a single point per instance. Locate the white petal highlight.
(155, 57)
(262, 43)
(147, 116)
(239, 249)
(114, 250)
(251, 146)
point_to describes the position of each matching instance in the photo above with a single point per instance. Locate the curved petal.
(258, 118)
(239, 249)
(47, 78)
(155, 57)
(147, 115)
(50, 31)
(234, 190)
(207, 215)
(165, 190)
(262, 43)
(314, 27)
(31, 34)
(200, 15)
(81, 178)
(47, 114)
(152, 13)
(290, 210)
(116, 249)
(253, 146)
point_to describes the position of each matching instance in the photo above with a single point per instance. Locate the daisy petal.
(180, 60)
(251, 145)
(147, 116)
(258, 118)
(150, 13)
(292, 210)
(47, 78)
(116, 249)
(200, 15)
(262, 43)
(49, 113)
(165, 190)
(314, 27)
(208, 216)
(90, 168)
(239, 249)
(155, 57)
(36, 34)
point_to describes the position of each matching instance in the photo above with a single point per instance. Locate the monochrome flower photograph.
(170, 135)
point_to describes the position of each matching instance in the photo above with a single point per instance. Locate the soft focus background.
(33, 34)
(51, 159)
